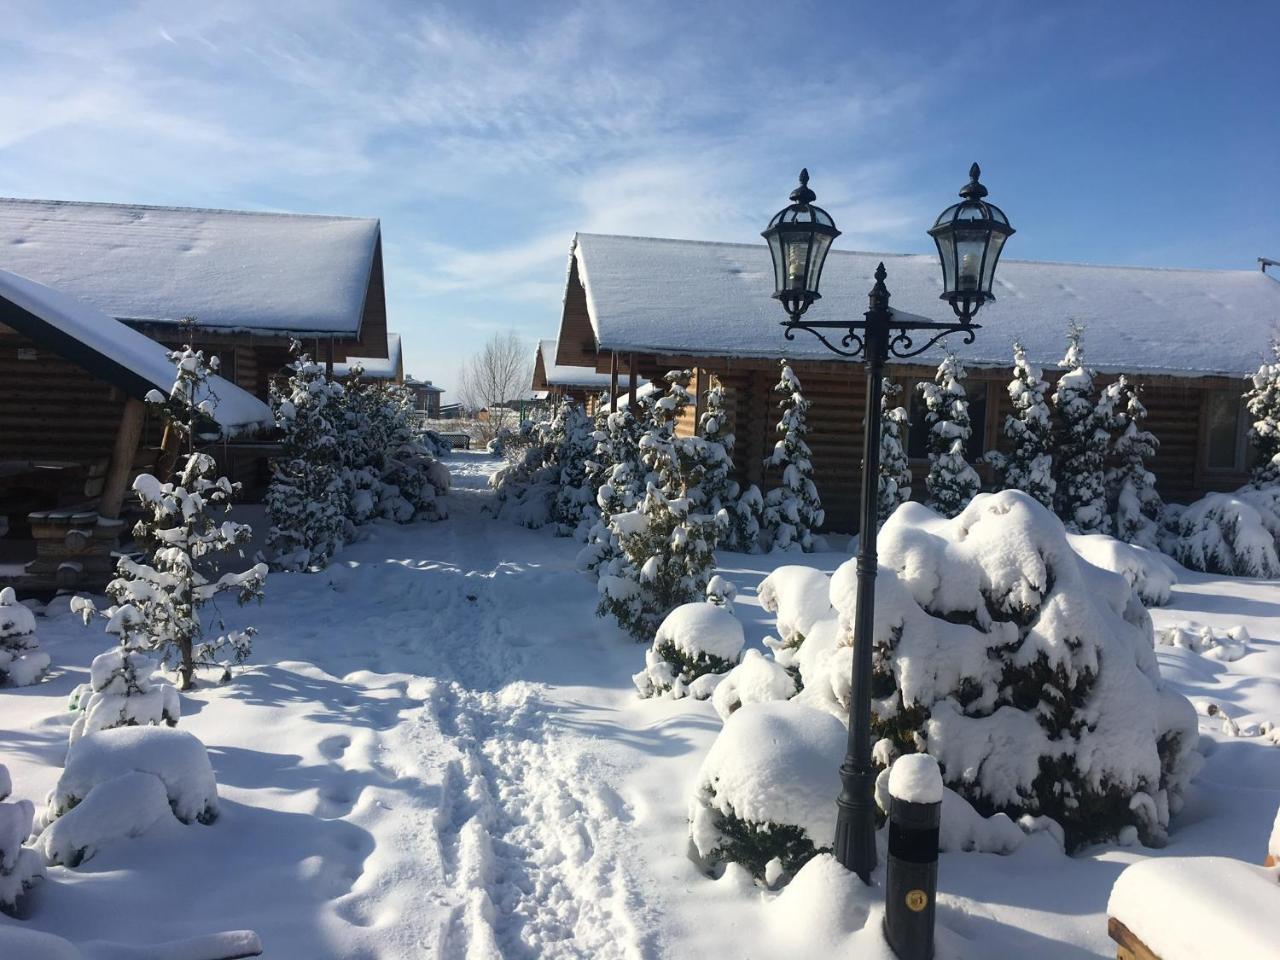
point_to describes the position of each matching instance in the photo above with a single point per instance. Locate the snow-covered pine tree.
(792, 511)
(362, 440)
(1080, 444)
(665, 556)
(1136, 506)
(747, 520)
(895, 470)
(124, 690)
(571, 446)
(1028, 466)
(617, 457)
(1262, 400)
(157, 603)
(21, 868)
(22, 662)
(951, 481)
(657, 443)
(721, 494)
(307, 501)
(414, 482)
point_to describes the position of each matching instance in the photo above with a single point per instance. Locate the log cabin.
(554, 381)
(388, 369)
(645, 305)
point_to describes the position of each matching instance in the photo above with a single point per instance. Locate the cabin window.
(1226, 431)
(918, 435)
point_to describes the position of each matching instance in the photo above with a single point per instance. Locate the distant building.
(426, 398)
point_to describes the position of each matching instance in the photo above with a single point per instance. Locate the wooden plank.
(1130, 947)
(128, 438)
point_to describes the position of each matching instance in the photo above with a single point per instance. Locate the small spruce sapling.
(1028, 431)
(157, 603)
(22, 662)
(895, 469)
(572, 444)
(951, 481)
(124, 690)
(793, 510)
(21, 868)
(1136, 506)
(1262, 400)
(1080, 440)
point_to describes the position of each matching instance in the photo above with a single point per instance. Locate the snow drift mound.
(800, 596)
(1229, 533)
(1144, 570)
(1028, 674)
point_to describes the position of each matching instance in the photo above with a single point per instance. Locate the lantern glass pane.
(993, 255)
(947, 254)
(775, 249)
(821, 246)
(970, 245)
(795, 245)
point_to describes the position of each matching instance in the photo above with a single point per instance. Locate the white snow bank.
(127, 806)
(757, 679)
(17, 943)
(915, 778)
(237, 411)
(1195, 908)
(1151, 578)
(1229, 533)
(1223, 645)
(774, 764)
(177, 758)
(800, 596)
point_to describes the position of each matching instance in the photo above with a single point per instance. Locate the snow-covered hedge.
(695, 640)
(766, 789)
(1028, 674)
(1151, 578)
(799, 596)
(22, 662)
(21, 868)
(1228, 533)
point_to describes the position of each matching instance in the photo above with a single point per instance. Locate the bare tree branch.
(501, 373)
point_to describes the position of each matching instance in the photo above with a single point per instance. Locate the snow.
(1150, 575)
(123, 807)
(701, 629)
(800, 596)
(1155, 318)
(756, 679)
(376, 368)
(566, 375)
(435, 750)
(237, 411)
(1198, 908)
(915, 778)
(231, 270)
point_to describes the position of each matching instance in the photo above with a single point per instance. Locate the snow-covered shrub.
(21, 868)
(722, 592)
(124, 807)
(413, 481)
(746, 520)
(1028, 466)
(1262, 400)
(22, 662)
(951, 481)
(1229, 533)
(757, 679)
(525, 489)
(157, 603)
(1222, 645)
(616, 463)
(307, 501)
(1029, 674)
(1145, 570)
(792, 511)
(895, 469)
(1080, 445)
(694, 640)
(570, 441)
(800, 597)
(719, 493)
(658, 451)
(1135, 505)
(124, 690)
(176, 758)
(766, 789)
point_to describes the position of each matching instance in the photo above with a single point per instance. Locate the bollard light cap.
(915, 778)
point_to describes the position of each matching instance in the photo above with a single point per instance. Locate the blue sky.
(484, 134)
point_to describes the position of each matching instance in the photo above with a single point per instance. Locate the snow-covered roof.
(231, 270)
(563, 375)
(118, 353)
(375, 368)
(426, 385)
(685, 297)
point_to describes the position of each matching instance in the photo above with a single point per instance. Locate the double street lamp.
(970, 236)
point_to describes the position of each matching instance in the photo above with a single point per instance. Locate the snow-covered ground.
(440, 753)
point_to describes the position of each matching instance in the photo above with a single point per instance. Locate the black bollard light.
(911, 875)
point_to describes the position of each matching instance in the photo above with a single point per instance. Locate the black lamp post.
(970, 235)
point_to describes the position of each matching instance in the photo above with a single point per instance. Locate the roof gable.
(548, 373)
(684, 297)
(269, 273)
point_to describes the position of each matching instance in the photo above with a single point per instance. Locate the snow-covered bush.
(1151, 578)
(792, 511)
(757, 679)
(124, 690)
(525, 489)
(22, 662)
(766, 789)
(1135, 505)
(722, 592)
(617, 459)
(21, 868)
(800, 597)
(124, 807)
(718, 491)
(571, 442)
(694, 640)
(1028, 466)
(951, 481)
(307, 501)
(413, 481)
(1262, 400)
(1027, 673)
(157, 603)
(1229, 533)
(176, 758)
(746, 520)
(1080, 445)
(895, 469)
(1222, 645)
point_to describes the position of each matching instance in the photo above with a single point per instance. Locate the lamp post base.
(855, 842)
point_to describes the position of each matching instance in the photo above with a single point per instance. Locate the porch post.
(119, 473)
